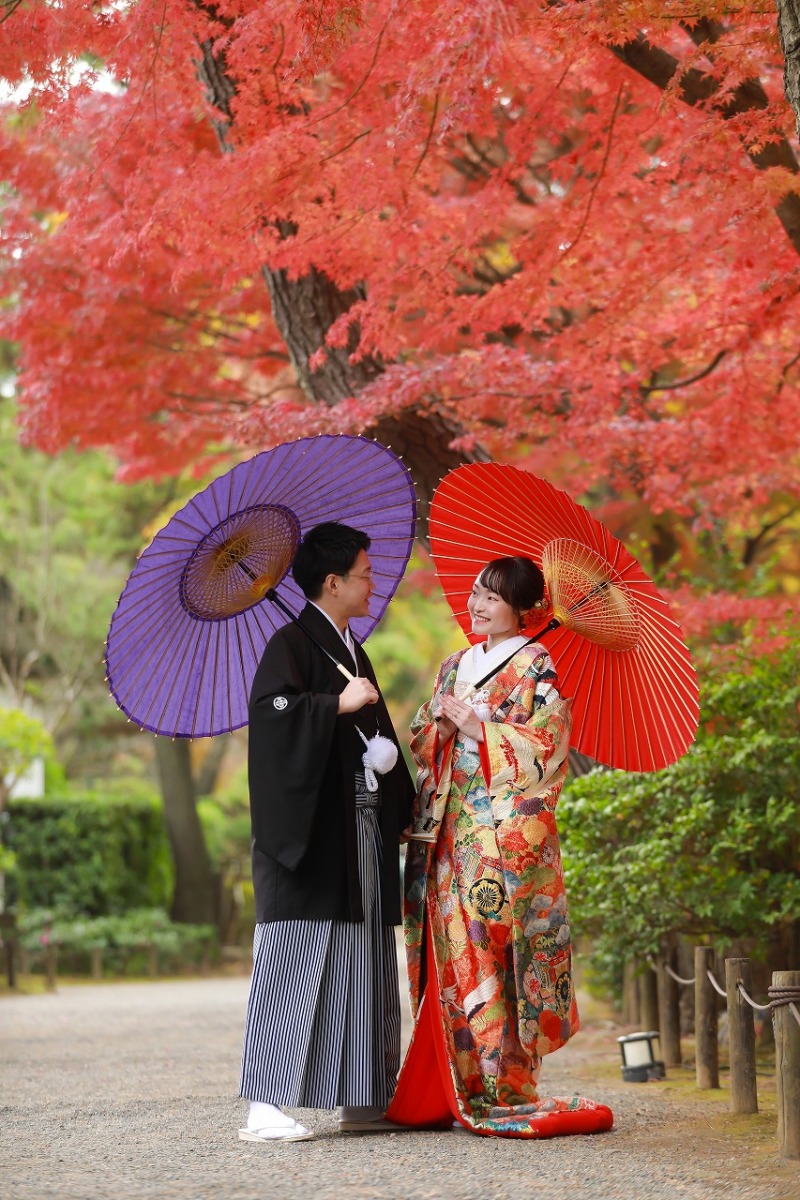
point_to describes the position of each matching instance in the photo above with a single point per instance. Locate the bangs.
(518, 581)
(495, 579)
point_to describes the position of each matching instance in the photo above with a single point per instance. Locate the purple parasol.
(194, 617)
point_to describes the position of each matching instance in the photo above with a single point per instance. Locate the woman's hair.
(327, 549)
(518, 581)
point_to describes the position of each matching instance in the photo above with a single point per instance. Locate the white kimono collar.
(478, 661)
(346, 637)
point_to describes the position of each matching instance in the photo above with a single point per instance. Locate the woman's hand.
(444, 726)
(460, 716)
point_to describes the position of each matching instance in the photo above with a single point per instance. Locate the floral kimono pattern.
(491, 893)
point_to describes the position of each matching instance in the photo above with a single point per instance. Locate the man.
(323, 1018)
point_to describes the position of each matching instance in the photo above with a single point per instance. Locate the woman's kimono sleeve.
(426, 746)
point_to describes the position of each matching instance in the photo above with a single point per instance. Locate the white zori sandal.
(266, 1123)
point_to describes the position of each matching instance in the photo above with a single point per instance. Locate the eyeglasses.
(366, 576)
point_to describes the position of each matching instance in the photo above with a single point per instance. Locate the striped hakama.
(323, 1015)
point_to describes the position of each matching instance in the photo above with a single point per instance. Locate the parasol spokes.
(588, 596)
(239, 561)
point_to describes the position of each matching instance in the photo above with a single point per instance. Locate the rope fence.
(778, 996)
(783, 1005)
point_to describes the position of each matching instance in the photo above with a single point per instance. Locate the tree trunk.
(304, 310)
(209, 770)
(705, 1021)
(196, 891)
(789, 31)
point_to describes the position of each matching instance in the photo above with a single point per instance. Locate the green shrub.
(707, 848)
(90, 853)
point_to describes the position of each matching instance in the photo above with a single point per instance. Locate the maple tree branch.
(431, 128)
(787, 368)
(596, 181)
(697, 88)
(223, 353)
(210, 403)
(753, 544)
(681, 383)
(483, 157)
(335, 153)
(149, 76)
(748, 95)
(694, 87)
(484, 277)
(202, 326)
(274, 73)
(468, 168)
(490, 392)
(10, 7)
(352, 96)
(220, 90)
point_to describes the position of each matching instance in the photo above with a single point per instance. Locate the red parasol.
(618, 652)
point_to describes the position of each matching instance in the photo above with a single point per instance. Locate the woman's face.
(492, 617)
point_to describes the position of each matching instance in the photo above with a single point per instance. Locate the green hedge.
(143, 941)
(135, 930)
(89, 853)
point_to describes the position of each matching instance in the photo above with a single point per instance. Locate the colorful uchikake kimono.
(486, 928)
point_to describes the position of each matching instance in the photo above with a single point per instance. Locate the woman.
(486, 914)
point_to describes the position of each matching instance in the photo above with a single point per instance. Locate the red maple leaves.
(551, 249)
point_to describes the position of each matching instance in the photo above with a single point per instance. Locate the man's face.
(355, 588)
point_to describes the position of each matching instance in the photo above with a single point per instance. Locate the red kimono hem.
(425, 1097)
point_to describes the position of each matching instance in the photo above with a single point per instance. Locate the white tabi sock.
(267, 1116)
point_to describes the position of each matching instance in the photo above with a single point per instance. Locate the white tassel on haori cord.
(378, 758)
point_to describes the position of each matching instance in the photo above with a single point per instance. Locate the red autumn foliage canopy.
(551, 249)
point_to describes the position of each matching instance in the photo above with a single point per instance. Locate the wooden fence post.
(705, 1020)
(669, 1015)
(96, 956)
(741, 1037)
(152, 961)
(787, 1067)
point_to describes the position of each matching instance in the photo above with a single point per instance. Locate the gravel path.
(128, 1090)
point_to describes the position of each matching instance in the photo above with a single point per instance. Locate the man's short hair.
(327, 549)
